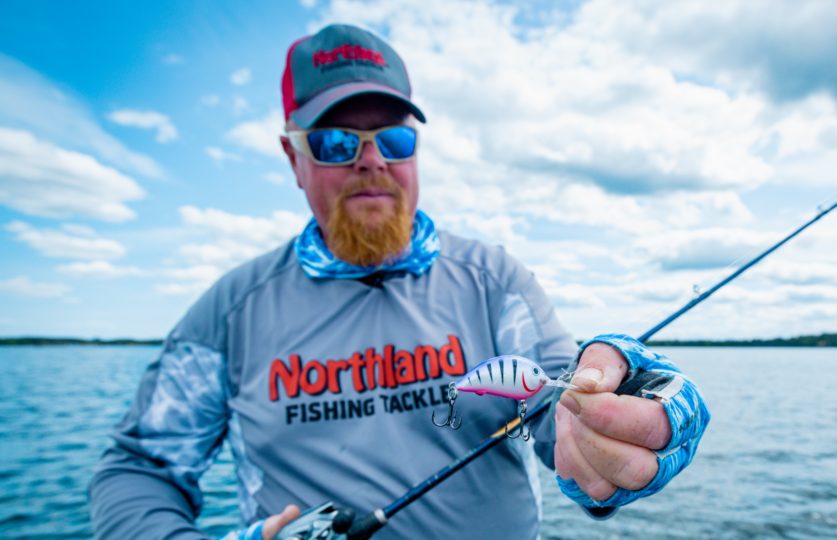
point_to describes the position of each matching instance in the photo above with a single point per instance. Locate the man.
(321, 362)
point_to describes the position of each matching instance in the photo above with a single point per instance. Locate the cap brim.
(307, 115)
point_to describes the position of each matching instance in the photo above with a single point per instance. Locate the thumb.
(601, 368)
(274, 524)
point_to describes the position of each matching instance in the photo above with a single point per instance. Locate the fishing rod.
(342, 521)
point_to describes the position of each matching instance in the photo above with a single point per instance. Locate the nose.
(370, 159)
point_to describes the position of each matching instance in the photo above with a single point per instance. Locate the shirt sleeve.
(146, 484)
(528, 326)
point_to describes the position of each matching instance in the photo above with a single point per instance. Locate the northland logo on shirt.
(370, 369)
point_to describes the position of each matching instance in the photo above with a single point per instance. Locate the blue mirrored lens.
(397, 143)
(333, 145)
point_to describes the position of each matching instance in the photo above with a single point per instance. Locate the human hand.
(274, 523)
(266, 529)
(605, 441)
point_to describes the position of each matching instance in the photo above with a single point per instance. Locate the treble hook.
(451, 419)
(523, 433)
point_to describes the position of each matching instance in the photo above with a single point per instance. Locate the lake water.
(767, 467)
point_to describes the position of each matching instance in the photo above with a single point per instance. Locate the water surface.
(767, 467)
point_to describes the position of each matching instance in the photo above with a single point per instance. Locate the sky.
(628, 152)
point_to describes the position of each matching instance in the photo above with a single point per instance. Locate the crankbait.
(508, 376)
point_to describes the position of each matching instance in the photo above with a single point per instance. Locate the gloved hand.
(611, 450)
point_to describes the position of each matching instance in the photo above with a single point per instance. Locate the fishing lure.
(508, 376)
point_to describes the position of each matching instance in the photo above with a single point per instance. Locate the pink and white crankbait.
(507, 376)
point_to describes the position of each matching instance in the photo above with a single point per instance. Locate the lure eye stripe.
(479, 376)
(502, 373)
(514, 369)
(490, 373)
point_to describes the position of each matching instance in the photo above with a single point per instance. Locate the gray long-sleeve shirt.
(324, 388)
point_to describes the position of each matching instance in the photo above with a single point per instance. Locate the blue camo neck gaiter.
(318, 262)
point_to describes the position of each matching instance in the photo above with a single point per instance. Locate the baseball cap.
(339, 62)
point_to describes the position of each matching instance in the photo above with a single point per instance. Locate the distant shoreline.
(822, 340)
(37, 340)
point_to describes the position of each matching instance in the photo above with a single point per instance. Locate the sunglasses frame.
(299, 141)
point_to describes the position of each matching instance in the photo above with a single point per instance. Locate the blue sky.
(625, 151)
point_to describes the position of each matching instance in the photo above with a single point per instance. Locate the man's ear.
(292, 156)
(288, 149)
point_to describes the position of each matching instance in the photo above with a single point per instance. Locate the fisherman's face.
(367, 199)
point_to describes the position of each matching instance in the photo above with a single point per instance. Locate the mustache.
(377, 184)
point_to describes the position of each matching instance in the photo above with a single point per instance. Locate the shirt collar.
(317, 261)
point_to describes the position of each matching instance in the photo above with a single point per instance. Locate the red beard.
(376, 239)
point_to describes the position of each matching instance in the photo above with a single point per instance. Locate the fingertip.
(290, 513)
(291, 510)
(601, 368)
(588, 379)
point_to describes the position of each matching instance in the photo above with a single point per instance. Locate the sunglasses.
(334, 147)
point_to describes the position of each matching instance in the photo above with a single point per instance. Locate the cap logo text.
(347, 52)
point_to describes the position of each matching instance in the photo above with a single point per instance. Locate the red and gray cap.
(338, 62)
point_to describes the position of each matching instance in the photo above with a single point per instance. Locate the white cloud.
(588, 110)
(655, 291)
(42, 179)
(24, 286)
(260, 135)
(191, 289)
(687, 210)
(240, 77)
(204, 273)
(227, 240)
(574, 294)
(803, 142)
(219, 155)
(704, 248)
(779, 47)
(101, 269)
(33, 103)
(71, 242)
(810, 126)
(498, 228)
(275, 178)
(799, 273)
(308, 4)
(210, 100)
(166, 131)
(777, 296)
(172, 59)
(189, 281)
(237, 237)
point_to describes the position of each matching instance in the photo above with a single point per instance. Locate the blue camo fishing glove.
(253, 532)
(652, 376)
